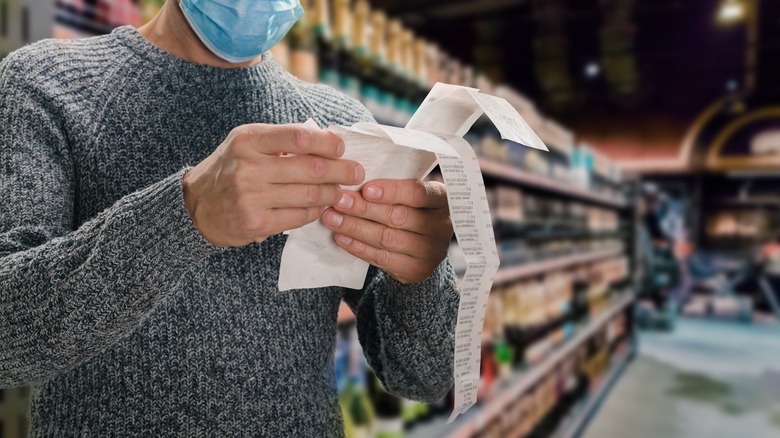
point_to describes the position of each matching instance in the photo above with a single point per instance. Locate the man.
(139, 294)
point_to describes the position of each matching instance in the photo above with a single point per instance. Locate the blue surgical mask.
(241, 30)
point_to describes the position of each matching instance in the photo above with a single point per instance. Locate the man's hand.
(402, 227)
(246, 190)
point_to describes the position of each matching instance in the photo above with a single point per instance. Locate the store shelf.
(468, 424)
(549, 230)
(494, 169)
(573, 429)
(752, 202)
(345, 314)
(505, 275)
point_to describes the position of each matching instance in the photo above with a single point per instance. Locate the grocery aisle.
(706, 379)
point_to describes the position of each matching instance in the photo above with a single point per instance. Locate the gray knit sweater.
(126, 320)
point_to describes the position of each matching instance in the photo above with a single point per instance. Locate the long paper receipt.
(311, 257)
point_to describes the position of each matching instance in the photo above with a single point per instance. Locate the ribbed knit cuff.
(435, 298)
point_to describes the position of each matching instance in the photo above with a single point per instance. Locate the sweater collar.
(266, 70)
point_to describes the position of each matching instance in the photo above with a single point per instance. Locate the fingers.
(412, 193)
(304, 195)
(403, 268)
(395, 216)
(378, 235)
(310, 169)
(293, 139)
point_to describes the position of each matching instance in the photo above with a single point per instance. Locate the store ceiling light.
(731, 11)
(592, 69)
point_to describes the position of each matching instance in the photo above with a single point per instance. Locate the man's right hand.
(247, 191)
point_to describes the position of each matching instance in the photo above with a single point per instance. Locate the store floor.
(707, 379)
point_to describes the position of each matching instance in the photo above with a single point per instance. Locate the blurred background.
(639, 291)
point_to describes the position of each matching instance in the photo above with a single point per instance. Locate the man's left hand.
(400, 226)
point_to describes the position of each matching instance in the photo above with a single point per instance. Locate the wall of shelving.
(559, 326)
(565, 285)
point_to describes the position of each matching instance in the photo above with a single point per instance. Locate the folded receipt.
(311, 258)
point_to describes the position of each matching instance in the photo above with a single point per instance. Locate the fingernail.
(359, 174)
(344, 239)
(373, 192)
(334, 219)
(340, 148)
(346, 201)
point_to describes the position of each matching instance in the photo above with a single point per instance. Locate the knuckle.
(351, 227)
(312, 193)
(243, 132)
(300, 217)
(305, 215)
(398, 215)
(312, 214)
(361, 206)
(253, 223)
(245, 208)
(230, 146)
(317, 167)
(331, 195)
(382, 258)
(240, 176)
(301, 137)
(388, 238)
(235, 179)
(234, 134)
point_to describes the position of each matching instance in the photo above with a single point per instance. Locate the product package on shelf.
(77, 19)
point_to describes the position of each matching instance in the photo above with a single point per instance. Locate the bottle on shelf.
(326, 50)
(355, 402)
(389, 410)
(456, 72)
(150, 8)
(379, 85)
(341, 367)
(366, 72)
(433, 64)
(346, 61)
(409, 82)
(302, 43)
(488, 371)
(393, 83)
(361, 415)
(503, 357)
(422, 77)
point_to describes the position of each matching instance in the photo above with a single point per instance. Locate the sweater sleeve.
(408, 331)
(65, 293)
